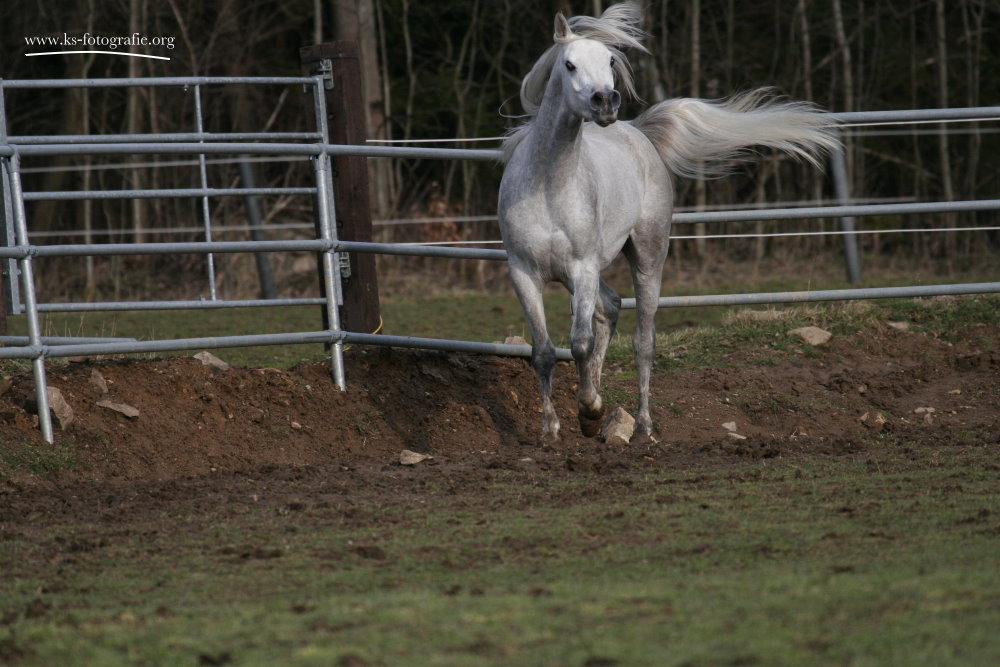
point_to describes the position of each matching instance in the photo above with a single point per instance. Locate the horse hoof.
(592, 412)
(590, 427)
(548, 439)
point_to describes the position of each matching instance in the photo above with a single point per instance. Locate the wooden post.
(346, 122)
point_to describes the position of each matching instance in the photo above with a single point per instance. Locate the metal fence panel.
(19, 253)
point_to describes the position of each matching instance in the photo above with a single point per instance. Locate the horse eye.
(570, 66)
(612, 62)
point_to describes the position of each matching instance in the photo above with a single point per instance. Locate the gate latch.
(325, 69)
(344, 262)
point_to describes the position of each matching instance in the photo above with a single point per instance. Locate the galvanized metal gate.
(19, 253)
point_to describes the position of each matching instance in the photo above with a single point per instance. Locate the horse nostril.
(609, 100)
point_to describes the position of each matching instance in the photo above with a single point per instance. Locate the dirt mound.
(883, 386)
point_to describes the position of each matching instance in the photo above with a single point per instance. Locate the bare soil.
(471, 412)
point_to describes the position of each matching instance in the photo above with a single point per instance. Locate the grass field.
(890, 557)
(881, 552)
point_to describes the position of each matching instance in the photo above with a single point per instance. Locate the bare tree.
(941, 41)
(133, 115)
(700, 189)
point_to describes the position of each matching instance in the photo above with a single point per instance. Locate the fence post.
(842, 190)
(339, 63)
(7, 220)
(264, 273)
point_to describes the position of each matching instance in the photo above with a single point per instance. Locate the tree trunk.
(848, 80)
(87, 205)
(700, 190)
(816, 189)
(940, 37)
(355, 21)
(317, 22)
(133, 125)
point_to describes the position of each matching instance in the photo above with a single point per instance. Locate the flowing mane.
(617, 28)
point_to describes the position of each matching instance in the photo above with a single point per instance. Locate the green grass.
(889, 559)
(489, 316)
(18, 453)
(769, 343)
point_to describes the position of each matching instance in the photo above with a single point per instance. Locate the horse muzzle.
(604, 107)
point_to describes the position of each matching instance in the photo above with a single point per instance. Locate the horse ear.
(562, 28)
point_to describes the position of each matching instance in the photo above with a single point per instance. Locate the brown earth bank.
(881, 386)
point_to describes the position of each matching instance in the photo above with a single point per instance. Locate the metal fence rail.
(19, 254)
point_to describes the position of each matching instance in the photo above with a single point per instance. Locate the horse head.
(587, 68)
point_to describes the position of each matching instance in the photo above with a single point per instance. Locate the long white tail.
(701, 139)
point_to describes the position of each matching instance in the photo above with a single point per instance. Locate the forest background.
(452, 68)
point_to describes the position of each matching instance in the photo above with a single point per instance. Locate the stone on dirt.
(58, 406)
(812, 335)
(411, 458)
(877, 420)
(618, 427)
(210, 359)
(735, 436)
(98, 381)
(121, 408)
(729, 426)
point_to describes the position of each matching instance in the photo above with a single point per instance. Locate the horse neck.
(557, 132)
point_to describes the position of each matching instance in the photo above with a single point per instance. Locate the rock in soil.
(210, 359)
(411, 458)
(618, 427)
(121, 408)
(812, 335)
(98, 381)
(58, 406)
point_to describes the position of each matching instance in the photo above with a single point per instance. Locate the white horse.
(579, 188)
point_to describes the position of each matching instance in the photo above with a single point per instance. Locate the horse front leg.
(543, 352)
(588, 348)
(605, 322)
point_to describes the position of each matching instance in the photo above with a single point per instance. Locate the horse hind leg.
(543, 352)
(646, 279)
